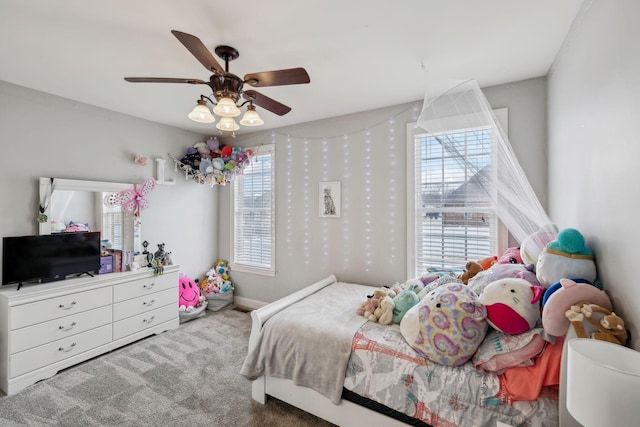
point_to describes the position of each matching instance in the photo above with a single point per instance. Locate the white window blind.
(253, 237)
(111, 223)
(453, 219)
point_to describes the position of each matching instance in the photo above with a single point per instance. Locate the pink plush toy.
(188, 293)
(512, 305)
(570, 293)
(510, 256)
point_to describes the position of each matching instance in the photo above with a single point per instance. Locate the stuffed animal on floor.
(447, 326)
(593, 321)
(513, 305)
(471, 269)
(566, 257)
(189, 297)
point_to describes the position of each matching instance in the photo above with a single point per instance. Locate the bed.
(338, 366)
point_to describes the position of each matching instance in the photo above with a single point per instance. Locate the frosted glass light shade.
(226, 108)
(201, 114)
(603, 380)
(227, 124)
(251, 118)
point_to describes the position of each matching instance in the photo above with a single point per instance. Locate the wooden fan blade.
(164, 80)
(266, 102)
(200, 51)
(291, 76)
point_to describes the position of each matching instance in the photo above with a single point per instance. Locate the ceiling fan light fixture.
(201, 113)
(226, 107)
(251, 117)
(227, 124)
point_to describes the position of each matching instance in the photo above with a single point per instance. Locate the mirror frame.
(49, 185)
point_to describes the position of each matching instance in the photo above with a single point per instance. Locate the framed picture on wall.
(329, 199)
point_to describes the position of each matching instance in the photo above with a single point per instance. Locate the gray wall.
(593, 144)
(367, 244)
(44, 135)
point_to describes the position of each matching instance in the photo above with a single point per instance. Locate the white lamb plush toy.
(565, 258)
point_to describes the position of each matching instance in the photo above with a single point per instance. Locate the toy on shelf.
(209, 163)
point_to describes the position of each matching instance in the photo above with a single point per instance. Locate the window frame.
(502, 234)
(268, 149)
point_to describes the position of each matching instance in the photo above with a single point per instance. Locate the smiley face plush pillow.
(447, 325)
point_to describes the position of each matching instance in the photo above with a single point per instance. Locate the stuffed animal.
(471, 269)
(512, 305)
(568, 256)
(510, 256)
(554, 320)
(368, 308)
(487, 262)
(402, 303)
(447, 326)
(189, 297)
(593, 321)
(384, 312)
(502, 271)
(534, 243)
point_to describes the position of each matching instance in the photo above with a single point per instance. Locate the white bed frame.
(346, 413)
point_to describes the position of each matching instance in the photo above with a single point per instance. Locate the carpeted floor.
(186, 377)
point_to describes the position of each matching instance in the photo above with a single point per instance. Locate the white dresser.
(48, 327)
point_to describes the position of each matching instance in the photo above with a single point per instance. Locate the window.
(253, 215)
(451, 219)
(111, 222)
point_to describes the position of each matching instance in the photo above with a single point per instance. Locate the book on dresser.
(47, 327)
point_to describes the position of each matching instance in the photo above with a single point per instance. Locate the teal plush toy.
(402, 303)
(566, 257)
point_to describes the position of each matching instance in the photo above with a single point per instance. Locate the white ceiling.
(359, 54)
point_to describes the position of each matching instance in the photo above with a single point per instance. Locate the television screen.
(49, 257)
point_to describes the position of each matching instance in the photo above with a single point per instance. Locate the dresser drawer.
(42, 333)
(145, 286)
(140, 322)
(54, 308)
(144, 303)
(38, 357)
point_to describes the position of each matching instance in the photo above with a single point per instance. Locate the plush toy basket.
(218, 301)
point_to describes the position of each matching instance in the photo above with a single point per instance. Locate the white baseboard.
(248, 302)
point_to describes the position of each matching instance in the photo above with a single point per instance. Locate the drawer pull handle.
(68, 306)
(149, 286)
(149, 304)
(68, 328)
(68, 349)
(149, 320)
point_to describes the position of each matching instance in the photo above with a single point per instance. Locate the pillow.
(502, 271)
(500, 351)
(447, 325)
(570, 293)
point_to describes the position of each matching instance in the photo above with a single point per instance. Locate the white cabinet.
(48, 327)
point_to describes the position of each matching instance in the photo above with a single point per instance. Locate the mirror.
(77, 205)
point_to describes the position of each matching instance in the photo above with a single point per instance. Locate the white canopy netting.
(453, 105)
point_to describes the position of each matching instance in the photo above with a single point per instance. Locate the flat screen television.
(45, 258)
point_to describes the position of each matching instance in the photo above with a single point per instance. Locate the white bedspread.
(325, 323)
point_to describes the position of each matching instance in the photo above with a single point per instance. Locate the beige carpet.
(186, 377)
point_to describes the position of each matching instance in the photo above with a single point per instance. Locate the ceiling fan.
(227, 87)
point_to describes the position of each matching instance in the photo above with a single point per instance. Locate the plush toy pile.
(217, 287)
(213, 164)
(445, 316)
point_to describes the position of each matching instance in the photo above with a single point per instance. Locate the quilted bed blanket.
(310, 342)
